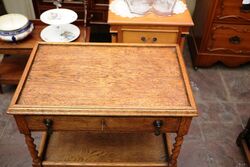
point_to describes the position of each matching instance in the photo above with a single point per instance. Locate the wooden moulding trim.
(150, 30)
(103, 164)
(109, 44)
(67, 110)
(224, 55)
(24, 75)
(125, 23)
(186, 80)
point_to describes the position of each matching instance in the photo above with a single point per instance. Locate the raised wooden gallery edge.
(146, 91)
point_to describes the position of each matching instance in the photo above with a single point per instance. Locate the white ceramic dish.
(17, 35)
(11, 22)
(58, 16)
(62, 33)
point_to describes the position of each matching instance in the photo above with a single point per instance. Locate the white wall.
(24, 7)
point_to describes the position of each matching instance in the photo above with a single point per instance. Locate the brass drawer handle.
(234, 40)
(143, 39)
(154, 39)
(158, 124)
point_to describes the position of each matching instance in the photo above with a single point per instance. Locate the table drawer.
(233, 39)
(122, 124)
(149, 36)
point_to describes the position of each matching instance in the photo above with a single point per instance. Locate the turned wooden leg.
(176, 150)
(32, 149)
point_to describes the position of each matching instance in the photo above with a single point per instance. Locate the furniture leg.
(243, 134)
(183, 130)
(243, 141)
(1, 89)
(32, 149)
(176, 150)
(114, 38)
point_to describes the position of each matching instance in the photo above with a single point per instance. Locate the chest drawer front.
(121, 124)
(232, 11)
(149, 36)
(233, 39)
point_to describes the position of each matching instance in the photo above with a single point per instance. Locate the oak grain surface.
(104, 80)
(102, 76)
(106, 148)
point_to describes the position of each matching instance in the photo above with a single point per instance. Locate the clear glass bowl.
(159, 7)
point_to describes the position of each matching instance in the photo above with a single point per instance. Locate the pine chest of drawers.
(221, 33)
(150, 28)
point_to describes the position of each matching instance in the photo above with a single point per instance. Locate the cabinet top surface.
(104, 79)
(183, 19)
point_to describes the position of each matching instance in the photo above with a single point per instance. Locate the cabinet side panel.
(202, 19)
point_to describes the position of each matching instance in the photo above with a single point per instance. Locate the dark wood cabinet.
(221, 33)
(97, 9)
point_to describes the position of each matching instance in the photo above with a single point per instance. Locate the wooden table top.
(104, 80)
(25, 46)
(183, 19)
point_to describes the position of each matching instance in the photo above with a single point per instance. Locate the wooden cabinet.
(221, 33)
(150, 28)
(97, 9)
(114, 107)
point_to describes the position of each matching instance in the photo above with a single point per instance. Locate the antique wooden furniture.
(11, 68)
(97, 9)
(95, 14)
(97, 92)
(243, 141)
(221, 33)
(150, 28)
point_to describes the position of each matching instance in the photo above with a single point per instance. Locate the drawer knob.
(234, 40)
(143, 39)
(158, 124)
(48, 123)
(154, 39)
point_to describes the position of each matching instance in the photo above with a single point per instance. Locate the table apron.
(84, 123)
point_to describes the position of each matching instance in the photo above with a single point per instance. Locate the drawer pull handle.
(143, 39)
(234, 40)
(154, 39)
(158, 124)
(48, 123)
